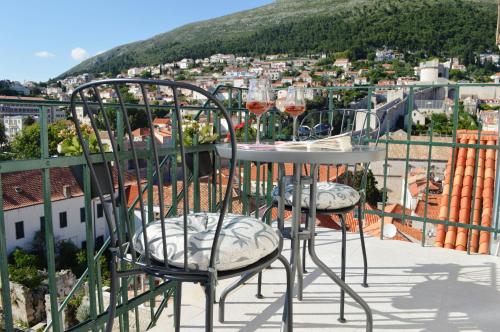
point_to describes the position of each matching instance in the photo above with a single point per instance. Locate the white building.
(221, 58)
(489, 57)
(13, 125)
(29, 108)
(342, 63)
(24, 209)
(134, 72)
(489, 119)
(54, 91)
(185, 63)
(432, 70)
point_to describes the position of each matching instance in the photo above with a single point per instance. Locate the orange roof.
(29, 187)
(140, 132)
(133, 192)
(158, 121)
(23, 98)
(458, 186)
(432, 207)
(325, 172)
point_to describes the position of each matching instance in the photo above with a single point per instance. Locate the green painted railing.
(251, 192)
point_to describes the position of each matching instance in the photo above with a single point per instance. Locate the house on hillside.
(342, 63)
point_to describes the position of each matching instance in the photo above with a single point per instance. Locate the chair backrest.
(358, 123)
(361, 124)
(364, 128)
(101, 116)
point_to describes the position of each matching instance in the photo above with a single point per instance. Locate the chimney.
(67, 191)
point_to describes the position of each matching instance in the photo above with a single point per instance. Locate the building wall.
(480, 92)
(75, 231)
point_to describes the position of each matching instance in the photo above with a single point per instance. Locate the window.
(82, 214)
(42, 224)
(99, 242)
(100, 212)
(63, 219)
(19, 230)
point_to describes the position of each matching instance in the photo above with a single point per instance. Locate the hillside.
(432, 27)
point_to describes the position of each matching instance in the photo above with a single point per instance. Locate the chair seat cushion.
(330, 196)
(242, 242)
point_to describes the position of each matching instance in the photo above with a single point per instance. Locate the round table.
(282, 154)
(299, 155)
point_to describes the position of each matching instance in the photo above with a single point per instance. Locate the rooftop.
(464, 198)
(411, 289)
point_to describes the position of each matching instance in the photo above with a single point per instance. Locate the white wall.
(75, 231)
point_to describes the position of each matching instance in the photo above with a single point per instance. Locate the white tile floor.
(411, 289)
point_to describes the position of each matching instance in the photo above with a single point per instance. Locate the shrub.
(67, 257)
(83, 312)
(23, 269)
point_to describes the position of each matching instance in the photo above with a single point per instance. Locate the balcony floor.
(411, 288)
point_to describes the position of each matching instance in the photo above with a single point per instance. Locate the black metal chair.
(198, 247)
(345, 198)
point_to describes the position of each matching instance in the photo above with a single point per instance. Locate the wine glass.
(295, 104)
(258, 101)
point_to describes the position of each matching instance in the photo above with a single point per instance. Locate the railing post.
(424, 227)
(49, 232)
(173, 166)
(90, 236)
(496, 196)
(408, 144)
(4, 272)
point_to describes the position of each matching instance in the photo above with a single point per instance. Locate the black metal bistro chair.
(200, 247)
(334, 198)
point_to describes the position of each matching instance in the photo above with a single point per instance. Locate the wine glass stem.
(294, 128)
(257, 140)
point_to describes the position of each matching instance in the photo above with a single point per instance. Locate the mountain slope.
(435, 27)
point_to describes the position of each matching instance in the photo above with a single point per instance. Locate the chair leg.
(229, 289)
(304, 251)
(363, 248)
(287, 320)
(209, 307)
(177, 306)
(300, 275)
(305, 246)
(342, 270)
(259, 286)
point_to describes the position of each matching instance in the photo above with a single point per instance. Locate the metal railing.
(255, 182)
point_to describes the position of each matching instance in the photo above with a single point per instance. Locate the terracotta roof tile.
(22, 189)
(461, 178)
(432, 207)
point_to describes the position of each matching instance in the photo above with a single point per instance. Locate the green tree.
(23, 268)
(146, 74)
(355, 180)
(28, 121)
(26, 145)
(457, 75)
(3, 137)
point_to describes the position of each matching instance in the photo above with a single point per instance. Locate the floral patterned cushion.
(330, 195)
(243, 241)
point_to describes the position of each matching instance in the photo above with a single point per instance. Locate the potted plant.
(199, 133)
(70, 146)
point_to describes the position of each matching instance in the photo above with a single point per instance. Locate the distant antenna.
(498, 26)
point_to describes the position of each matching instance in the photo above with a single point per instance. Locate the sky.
(42, 39)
